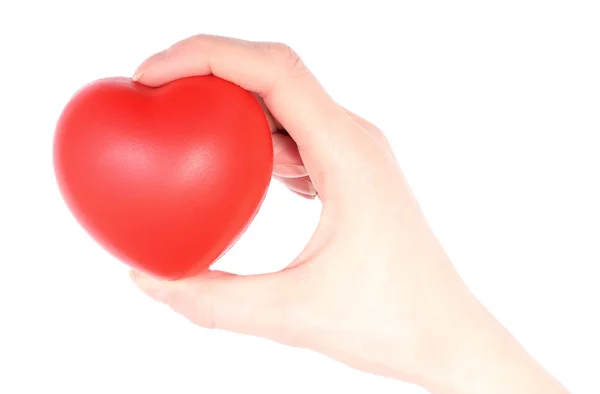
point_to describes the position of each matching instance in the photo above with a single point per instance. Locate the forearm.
(491, 361)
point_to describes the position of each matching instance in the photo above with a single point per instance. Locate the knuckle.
(198, 42)
(280, 50)
(380, 137)
(286, 59)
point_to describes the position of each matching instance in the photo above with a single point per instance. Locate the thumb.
(258, 305)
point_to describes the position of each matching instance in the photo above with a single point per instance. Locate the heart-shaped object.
(166, 179)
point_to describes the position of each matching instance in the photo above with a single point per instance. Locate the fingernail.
(289, 170)
(137, 75)
(306, 187)
(307, 196)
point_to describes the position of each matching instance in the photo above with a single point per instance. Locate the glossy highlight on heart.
(166, 179)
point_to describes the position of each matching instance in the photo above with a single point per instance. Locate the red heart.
(166, 179)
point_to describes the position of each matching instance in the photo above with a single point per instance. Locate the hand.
(373, 287)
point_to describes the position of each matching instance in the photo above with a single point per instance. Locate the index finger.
(276, 73)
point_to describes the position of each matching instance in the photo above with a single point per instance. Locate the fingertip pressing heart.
(141, 70)
(137, 75)
(156, 70)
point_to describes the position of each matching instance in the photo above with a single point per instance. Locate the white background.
(493, 110)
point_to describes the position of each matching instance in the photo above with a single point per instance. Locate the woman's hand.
(373, 288)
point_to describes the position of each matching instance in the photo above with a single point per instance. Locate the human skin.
(373, 288)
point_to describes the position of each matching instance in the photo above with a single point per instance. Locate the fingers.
(287, 160)
(274, 124)
(254, 305)
(320, 127)
(302, 186)
(288, 167)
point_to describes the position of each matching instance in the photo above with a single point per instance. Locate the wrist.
(490, 360)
